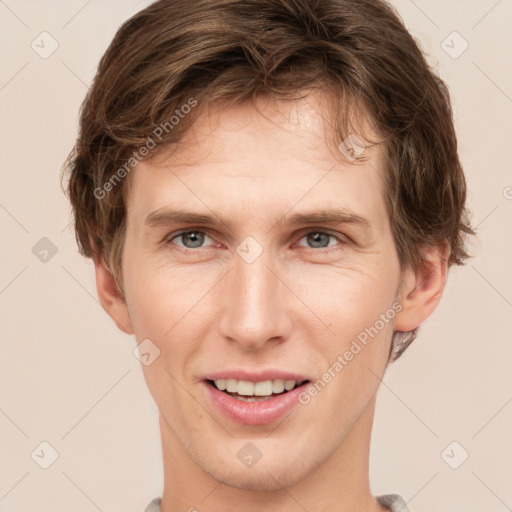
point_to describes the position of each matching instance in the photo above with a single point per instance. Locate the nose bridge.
(254, 311)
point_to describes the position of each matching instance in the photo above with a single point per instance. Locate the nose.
(255, 305)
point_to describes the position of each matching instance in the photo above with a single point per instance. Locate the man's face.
(263, 295)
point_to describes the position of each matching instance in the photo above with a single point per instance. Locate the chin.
(260, 480)
(266, 475)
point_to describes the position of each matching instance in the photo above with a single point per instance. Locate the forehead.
(252, 159)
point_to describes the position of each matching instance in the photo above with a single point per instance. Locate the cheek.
(160, 296)
(357, 307)
(345, 300)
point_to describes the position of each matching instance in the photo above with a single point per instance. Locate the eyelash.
(168, 240)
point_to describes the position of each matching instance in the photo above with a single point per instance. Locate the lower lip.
(254, 413)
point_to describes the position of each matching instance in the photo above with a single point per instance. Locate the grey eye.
(318, 239)
(191, 239)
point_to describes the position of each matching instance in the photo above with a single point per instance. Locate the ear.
(110, 295)
(422, 288)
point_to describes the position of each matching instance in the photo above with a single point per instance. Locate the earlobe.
(111, 297)
(422, 288)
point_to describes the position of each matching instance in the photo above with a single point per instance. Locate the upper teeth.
(248, 388)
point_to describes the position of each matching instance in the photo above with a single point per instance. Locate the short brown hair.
(176, 52)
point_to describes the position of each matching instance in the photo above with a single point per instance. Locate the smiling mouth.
(248, 391)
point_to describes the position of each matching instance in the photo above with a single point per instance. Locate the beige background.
(68, 377)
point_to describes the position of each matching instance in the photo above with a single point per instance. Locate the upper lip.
(256, 375)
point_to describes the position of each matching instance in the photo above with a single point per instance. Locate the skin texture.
(297, 307)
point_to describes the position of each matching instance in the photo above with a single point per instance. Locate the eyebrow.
(165, 217)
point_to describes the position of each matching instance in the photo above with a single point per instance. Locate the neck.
(339, 483)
